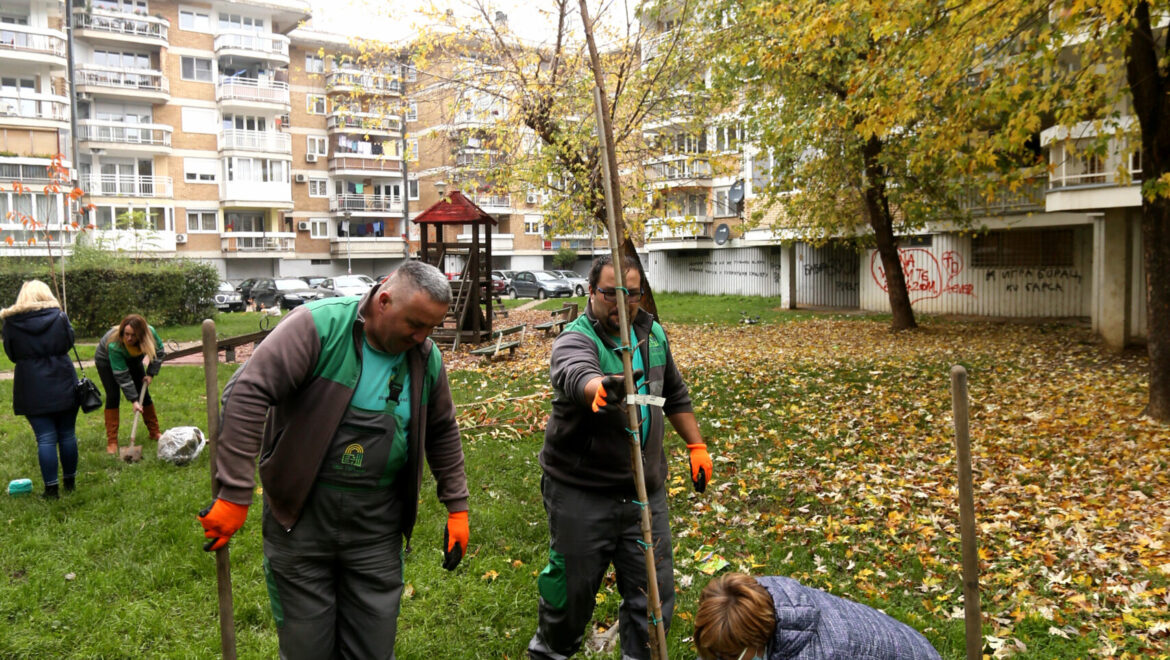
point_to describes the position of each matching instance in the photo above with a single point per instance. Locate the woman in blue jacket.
(37, 338)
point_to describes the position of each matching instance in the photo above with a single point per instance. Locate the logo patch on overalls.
(353, 456)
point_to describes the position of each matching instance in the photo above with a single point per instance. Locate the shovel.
(133, 453)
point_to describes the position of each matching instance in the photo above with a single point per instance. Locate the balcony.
(121, 27)
(121, 136)
(362, 164)
(679, 171)
(362, 122)
(680, 228)
(492, 203)
(1027, 198)
(360, 204)
(21, 43)
(356, 81)
(247, 91)
(132, 240)
(257, 241)
(44, 107)
(113, 185)
(1082, 181)
(134, 84)
(365, 248)
(256, 45)
(257, 194)
(500, 242)
(267, 141)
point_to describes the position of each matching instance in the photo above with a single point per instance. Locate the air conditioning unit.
(180, 239)
(310, 158)
(301, 178)
(532, 198)
(303, 226)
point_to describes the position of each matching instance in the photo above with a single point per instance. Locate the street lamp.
(348, 233)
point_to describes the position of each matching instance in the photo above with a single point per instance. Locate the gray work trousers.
(587, 532)
(335, 580)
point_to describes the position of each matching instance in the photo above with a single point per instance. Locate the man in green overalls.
(341, 402)
(594, 516)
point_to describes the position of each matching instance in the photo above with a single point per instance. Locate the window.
(257, 170)
(412, 189)
(200, 170)
(195, 68)
(727, 138)
(412, 149)
(238, 22)
(319, 228)
(315, 105)
(532, 224)
(200, 120)
(723, 205)
(314, 63)
(201, 221)
(318, 187)
(1023, 247)
(195, 20)
(317, 144)
(412, 111)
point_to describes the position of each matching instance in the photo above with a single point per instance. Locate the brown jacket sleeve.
(444, 447)
(280, 364)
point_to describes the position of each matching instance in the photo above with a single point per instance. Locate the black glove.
(611, 391)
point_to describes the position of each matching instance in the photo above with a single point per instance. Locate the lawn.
(834, 465)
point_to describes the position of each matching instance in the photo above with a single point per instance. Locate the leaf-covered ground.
(834, 447)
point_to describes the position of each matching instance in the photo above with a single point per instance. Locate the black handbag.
(88, 396)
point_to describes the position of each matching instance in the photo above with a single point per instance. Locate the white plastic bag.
(181, 444)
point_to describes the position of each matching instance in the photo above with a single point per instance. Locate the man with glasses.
(594, 516)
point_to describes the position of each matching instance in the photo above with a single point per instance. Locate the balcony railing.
(279, 192)
(699, 226)
(364, 81)
(115, 185)
(1028, 197)
(157, 135)
(115, 22)
(368, 246)
(143, 80)
(34, 106)
(367, 163)
(493, 200)
(252, 89)
(365, 203)
(261, 43)
(257, 241)
(681, 167)
(271, 141)
(362, 121)
(31, 40)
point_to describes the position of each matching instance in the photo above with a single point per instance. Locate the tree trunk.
(1148, 85)
(877, 208)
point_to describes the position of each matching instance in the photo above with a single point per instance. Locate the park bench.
(566, 314)
(492, 350)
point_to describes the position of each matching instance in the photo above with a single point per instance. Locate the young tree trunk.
(1148, 86)
(877, 208)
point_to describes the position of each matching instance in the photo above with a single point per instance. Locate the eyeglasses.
(610, 295)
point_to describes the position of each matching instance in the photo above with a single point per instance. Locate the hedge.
(98, 295)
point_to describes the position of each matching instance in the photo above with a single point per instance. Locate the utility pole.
(348, 234)
(404, 104)
(75, 157)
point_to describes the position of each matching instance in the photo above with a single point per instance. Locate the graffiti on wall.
(841, 270)
(926, 276)
(723, 267)
(1041, 279)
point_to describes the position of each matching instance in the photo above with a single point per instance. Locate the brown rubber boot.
(111, 430)
(151, 419)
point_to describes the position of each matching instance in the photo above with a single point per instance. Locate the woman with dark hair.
(37, 338)
(128, 358)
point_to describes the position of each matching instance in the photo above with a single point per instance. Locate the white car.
(348, 285)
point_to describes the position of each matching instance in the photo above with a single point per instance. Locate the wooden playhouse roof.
(454, 209)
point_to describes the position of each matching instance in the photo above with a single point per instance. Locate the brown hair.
(735, 613)
(145, 338)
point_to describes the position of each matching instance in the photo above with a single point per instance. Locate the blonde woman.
(37, 338)
(128, 358)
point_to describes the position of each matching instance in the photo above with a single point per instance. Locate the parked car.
(347, 285)
(580, 284)
(312, 280)
(539, 284)
(245, 288)
(227, 299)
(506, 274)
(285, 292)
(499, 284)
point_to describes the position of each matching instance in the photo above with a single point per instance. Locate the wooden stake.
(223, 567)
(974, 618)
(613, 205)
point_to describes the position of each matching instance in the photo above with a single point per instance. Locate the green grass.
(817, 453)
(693, 308)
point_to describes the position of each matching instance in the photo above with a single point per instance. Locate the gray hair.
(421, 276)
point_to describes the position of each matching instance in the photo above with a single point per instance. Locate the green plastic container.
(20, 487)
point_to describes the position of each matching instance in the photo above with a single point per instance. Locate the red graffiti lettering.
(928, 280)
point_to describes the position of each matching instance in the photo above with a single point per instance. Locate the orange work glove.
(220, 521)
(611, 391)
(701, 466)
(455, 537)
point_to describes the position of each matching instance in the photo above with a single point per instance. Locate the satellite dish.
(722, 233)
(735, 194)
